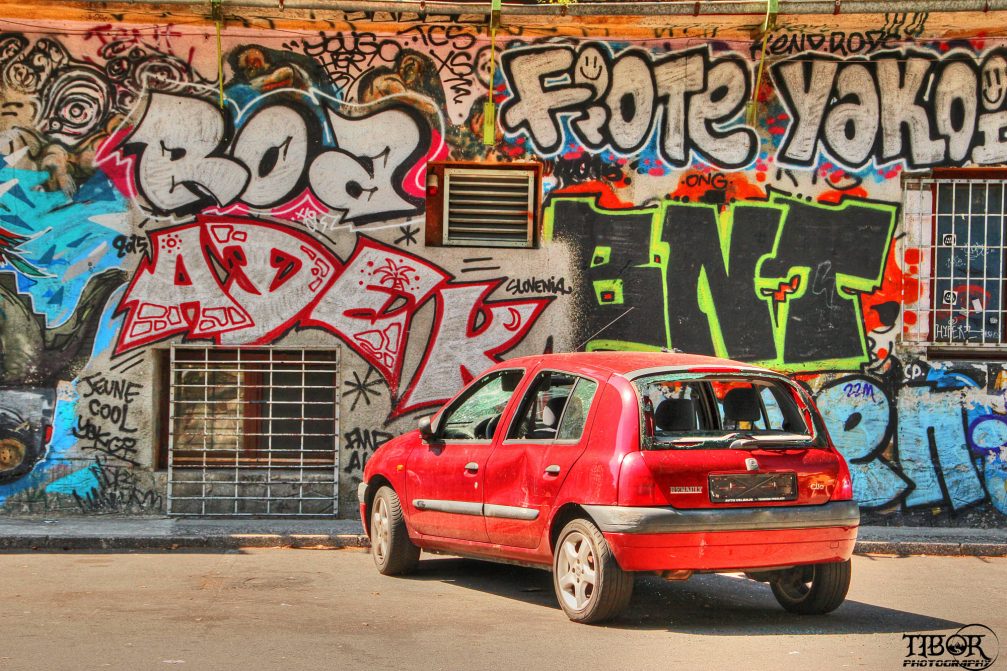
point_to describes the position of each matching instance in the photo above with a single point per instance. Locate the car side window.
(572, 425)
(772, 408)
(476, 414)
(543, 406)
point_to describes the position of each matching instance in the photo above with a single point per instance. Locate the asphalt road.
(329, 609)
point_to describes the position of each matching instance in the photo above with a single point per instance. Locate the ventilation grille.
(489, 207)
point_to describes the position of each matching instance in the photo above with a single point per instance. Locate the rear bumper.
(732, 550)
(638, 520)
(658, 539)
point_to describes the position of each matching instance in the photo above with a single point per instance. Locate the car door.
(547, 435)
(445, 475)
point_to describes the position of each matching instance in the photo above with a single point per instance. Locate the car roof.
(628, 363)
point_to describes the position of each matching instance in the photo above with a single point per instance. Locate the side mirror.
(427, 429)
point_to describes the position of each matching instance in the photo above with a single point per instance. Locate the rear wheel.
(813, 589)
(590, 585)
(393, 552)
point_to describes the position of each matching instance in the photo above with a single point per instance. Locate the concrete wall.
(135, 211)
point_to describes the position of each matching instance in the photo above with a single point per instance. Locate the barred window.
(954, 262)
(253, 431)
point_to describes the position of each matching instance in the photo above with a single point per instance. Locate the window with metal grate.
(253, 431)
(954, 255)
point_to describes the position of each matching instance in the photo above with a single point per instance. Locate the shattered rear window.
(711, 411)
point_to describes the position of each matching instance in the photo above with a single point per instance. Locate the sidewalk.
(169, 533)
(164, 533)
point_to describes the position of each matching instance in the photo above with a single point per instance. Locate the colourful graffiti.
(279, 278)
(25, 427)
(920, 437)
(778, 261)
(621, 102)
(682, 209)
(879, 109)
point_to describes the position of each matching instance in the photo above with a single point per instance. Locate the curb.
(937, 548)
(329, 541)
(156, 543)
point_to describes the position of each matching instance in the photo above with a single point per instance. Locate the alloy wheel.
(381, 530)
(577, 569)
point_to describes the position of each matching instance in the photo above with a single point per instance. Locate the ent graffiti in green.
(778, 282)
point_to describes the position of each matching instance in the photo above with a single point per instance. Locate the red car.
(598, 465)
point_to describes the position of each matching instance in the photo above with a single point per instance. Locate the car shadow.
(707, 604)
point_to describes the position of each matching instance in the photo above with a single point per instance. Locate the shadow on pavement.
(710, 604)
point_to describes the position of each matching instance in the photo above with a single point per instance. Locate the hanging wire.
(752, 115)
(218, 17)
(489, 108)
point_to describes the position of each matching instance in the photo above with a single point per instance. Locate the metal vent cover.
(483, 206)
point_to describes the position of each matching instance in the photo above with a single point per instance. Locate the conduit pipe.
(669, 8)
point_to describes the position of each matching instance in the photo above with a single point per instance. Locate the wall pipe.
(630, 8)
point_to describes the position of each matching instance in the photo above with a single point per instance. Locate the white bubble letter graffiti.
(535, 104)
(363, 177)
(274, 146)
(901, 82)
(806, 91)
(176, 169)
(852, 126)
(724, 96)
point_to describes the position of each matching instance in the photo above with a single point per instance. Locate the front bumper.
(658, 539)
(362, 500)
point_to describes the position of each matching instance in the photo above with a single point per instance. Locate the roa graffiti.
(276, 278)
(358, 169)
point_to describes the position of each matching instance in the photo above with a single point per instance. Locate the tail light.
(844, 483)
(636, 483)
(48, 434)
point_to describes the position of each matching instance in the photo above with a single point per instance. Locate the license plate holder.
(753, 487)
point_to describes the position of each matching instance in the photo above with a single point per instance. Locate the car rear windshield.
(717, 411)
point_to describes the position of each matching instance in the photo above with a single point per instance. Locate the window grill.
(953, 258)
(253, 432)
(483, 206)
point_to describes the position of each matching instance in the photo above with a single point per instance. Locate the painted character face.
(592, 70)
(994, 82)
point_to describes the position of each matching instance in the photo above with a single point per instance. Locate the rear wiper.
(744, 442)
(738, 440)
(690, 442)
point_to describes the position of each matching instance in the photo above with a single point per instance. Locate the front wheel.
(590, 585)
(393, 552)
(814, 589)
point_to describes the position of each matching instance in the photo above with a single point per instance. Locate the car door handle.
(552, 470)
(472, 467)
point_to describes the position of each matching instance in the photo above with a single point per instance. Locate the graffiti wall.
(157, 191)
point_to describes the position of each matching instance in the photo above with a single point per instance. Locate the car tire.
(590, 585)
(393, 552)
(813, 589)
